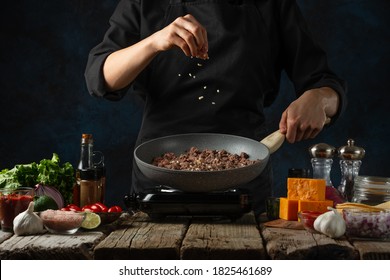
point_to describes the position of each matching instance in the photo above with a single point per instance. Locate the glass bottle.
(85, 163)
(99, 166)
(322, 161)
(350, 163)
(298, 173)
(91, 187)
(86, 152)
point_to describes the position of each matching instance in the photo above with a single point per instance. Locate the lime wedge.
(91, 221)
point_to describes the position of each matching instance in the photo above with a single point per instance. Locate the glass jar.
(371, 190)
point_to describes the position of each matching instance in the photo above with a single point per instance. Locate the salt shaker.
(350, 163)
(322, 159)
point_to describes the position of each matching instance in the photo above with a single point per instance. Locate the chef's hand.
(123, 66)
(305, 117)
(187, 34)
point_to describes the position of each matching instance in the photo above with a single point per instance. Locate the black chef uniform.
(250, 43)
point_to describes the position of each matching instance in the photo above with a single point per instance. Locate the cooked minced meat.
(203, 160)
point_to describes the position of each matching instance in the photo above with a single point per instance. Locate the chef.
(213, 66)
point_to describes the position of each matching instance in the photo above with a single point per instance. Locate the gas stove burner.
(165, 201)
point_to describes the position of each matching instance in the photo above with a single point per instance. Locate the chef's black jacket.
(250, 43)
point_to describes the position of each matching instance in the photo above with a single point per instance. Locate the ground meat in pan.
(203, 160)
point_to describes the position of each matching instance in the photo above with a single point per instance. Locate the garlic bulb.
(28, 222)
(330, 223)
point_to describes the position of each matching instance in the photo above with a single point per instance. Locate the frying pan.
(205, 181)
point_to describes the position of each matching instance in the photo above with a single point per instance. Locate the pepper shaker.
(350, 163)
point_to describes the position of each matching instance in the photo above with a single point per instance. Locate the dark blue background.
(45, 106)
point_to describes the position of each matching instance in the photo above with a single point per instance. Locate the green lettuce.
(48, 172)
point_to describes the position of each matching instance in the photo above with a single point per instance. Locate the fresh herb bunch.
(49, 172)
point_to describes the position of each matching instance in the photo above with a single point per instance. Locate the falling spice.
(213, 103)
(201, 97)
(200, 65)
(204, 87)
(217, 90)
(179, 75)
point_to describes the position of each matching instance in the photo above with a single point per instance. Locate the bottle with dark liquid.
(85, 164)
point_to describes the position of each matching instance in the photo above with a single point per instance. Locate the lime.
(44, 202)
(91, 221)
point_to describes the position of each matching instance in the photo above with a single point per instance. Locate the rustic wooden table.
(138, 237)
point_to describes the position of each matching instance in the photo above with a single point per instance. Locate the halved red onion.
(52, 192)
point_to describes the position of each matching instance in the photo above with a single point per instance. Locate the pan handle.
(276, 139)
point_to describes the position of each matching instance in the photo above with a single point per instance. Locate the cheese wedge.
(288, 209)
(306, 189)
(317, 206)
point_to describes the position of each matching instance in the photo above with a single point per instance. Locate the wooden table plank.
(372, 250)
(223, 239)
(282, 243)
(141, 238)
(51, 246)
(5, 235)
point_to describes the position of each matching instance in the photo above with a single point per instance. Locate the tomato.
(65, 209)
(115, 209)
(95, 208)
(73, 207)
(103, 207)
(87, 208)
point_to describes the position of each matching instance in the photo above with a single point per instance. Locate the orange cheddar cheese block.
(317, 206)
(306, 189)
(288, 209)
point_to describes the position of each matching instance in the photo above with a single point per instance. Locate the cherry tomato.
(73, 207)
(65, 209)
(115, 209)
(95, 208)
(87, 208)
(103, 207)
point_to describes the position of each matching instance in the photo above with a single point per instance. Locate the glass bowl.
(364, 224)
(307, 219)
(62, 222)
(371, 190)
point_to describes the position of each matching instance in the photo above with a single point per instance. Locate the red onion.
(368, 224)
(52, 192)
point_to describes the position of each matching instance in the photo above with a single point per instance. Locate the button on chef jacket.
(250, 44)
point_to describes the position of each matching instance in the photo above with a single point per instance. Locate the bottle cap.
(86, 138)
(322, 150)
(350, 151)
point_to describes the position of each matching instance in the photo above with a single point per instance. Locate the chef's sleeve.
(124, 30)
(304, 60)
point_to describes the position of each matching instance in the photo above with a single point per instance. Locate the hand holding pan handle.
(275, 140)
